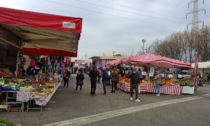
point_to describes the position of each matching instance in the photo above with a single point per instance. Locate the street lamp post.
(85, 56)
(113, 52)
(143, 40)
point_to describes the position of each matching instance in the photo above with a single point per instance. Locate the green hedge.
(6, 123)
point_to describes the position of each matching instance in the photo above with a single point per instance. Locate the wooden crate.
(4, 107)
(15, 108)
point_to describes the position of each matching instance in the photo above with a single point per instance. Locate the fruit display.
(1, 80)
(39, 92)
(174, 82)
(4, 72)
(147, 82)
(185, 83)
(26, 88)
(10, 86)
(124, 79)
(41, 81)
(166, 81)
(35, 85)
(15, 80)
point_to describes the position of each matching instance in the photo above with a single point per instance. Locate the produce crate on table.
(16, 107)
(4, 107)
(188, 90)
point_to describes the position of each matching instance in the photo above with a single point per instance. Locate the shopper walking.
(93, 79)
(109, 78)
(104, 79)
(99, 75)
(114, 79)
(158, 80)
(66, 77)
(134, 83)
(79, 80)
(140, 75)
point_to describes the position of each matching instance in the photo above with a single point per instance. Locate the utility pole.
(85, 56)
(113, 52)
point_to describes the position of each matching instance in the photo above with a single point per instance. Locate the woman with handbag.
(79, 80)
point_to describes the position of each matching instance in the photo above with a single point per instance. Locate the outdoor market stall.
(39, 88)
(171, 87)
(37, 34)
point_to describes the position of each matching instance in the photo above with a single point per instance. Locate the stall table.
(39, 101)
(126, 87)
(11, 101)
(166, 89)
(170, 90)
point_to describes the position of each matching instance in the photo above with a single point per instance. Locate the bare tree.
(183, 45)
(203, 44)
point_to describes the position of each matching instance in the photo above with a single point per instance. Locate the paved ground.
(69, 108)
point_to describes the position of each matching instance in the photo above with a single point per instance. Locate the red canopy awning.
(45, 51)
(156, 61)
(40, 20)
(53, 34)
(114, 62)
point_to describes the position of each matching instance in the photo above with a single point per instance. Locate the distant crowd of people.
(110, 77)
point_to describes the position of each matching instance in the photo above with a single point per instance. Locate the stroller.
(200, 81)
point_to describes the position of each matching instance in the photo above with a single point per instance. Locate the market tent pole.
(10, 43)
(196, 71)
(17, 64)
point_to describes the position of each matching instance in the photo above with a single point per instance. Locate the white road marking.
(106, 115)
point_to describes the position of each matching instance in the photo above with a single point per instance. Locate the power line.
(126, 11)
(132, 7)
(99, 12)
(165, 3)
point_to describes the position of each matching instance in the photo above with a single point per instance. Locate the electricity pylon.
(194, 12)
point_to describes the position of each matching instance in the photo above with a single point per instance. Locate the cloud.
(118, 25)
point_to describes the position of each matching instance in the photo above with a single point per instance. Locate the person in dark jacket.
(114, 78)
(66, 77)
(79, 80)
(104, 79)
(93, 79)
(134, 83)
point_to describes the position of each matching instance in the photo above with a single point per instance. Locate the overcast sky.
(118, 25)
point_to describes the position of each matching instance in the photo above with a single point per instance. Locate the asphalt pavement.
(69, 108)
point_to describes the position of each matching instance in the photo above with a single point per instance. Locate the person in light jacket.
(158, 80)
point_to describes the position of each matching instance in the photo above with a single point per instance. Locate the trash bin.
(200, 82)
(208, 78)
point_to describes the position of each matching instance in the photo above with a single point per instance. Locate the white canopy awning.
(202, 64)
